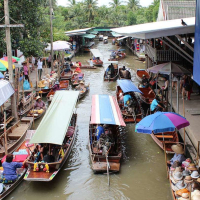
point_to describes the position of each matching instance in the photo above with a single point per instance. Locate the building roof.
(176, 9)
(158, 29)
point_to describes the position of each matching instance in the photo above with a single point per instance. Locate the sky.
(143, 3)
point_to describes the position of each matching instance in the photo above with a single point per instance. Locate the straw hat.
(178, 148)
(75, 72)
(177, 176)
(24, 62)
(81, 82)
(41, 84)
(186, 173)
(38, 97)
(192, 167)
(195, 174)
(195, 195)
(181, 185)
(184, 196)
(188, 179)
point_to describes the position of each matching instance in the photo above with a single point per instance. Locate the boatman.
(156, 105)
(127, 97)
(99, 131)
(39, 104)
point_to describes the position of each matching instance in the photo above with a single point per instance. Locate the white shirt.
(33, 60)
(39, 64)
(91, 63)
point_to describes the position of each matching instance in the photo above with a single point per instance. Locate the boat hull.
(139, 74)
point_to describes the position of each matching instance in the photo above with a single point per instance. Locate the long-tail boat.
(135, 112)
(117, 58)
(97, 55)
(56, 135)
(105, 153)
(76, 80)
(20, 155)
(124, 74)
(116, 71)
(15, 135)
(140, 73)
(148, 94)
(82, 93)
(84, 67)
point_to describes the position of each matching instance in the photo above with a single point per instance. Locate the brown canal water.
(143, 173)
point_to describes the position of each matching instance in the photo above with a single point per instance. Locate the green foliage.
(131, 18)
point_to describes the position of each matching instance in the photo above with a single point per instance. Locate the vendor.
(81, 86)
(156, 105)
(39, 104)
(178, 156)
(9, 168)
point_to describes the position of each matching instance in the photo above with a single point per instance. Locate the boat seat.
(18, 132)
(164, 136)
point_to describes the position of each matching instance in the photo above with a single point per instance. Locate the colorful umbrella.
(160, 122)
(14, 59)
(1, 75)
(4, 65)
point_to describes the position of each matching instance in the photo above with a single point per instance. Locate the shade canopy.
(90, 36)
(116, 34)
(4, 65)
(14, 59)
(53, 127)
(96, 53)
(168, 68)
(59, 46)
(161, 122)
(158, 29)
(105, 110)
(128, 86)
(6, 90)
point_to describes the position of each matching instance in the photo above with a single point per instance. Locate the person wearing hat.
(145, 80)
(81, 86)
(178, 156)
(25, 68)
(156, 105)
(39, 104)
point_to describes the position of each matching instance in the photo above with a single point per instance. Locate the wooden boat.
(50, 95)
(9, 119)
(36, 114)
(8, 188)
(123, 55)
(60, 144)
(84, 67)
(83, 93)
(148, 94)
(64, 84)
(107, 153)
(167, 138)
(66, 75)
(139, 74)
(26, 104)
(136, 113)
(124, 75)
(96, 57)
(75, 82)
(15, 135)
(114, 78)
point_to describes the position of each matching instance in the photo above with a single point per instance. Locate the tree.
(115, 3)
(131, 18)
(72, 2)
(90, 7)
(133, 4)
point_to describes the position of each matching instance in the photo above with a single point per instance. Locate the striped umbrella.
(14, 59)
(4, 65)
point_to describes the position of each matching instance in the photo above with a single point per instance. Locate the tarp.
(96, 53)
(79, 30)
(158, 29)
(168, 68)
(54, 125)
(196, 68)
(128, 86)
(6, 90)
(105, 110)
(90, 36)
(115, 34)
(59, 46)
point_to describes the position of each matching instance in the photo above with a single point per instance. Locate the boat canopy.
(90, 36)
(128, 86)
(56, 121)
(6, 90)
(96, 53)
(105, 110)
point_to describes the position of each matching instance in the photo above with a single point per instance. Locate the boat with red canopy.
(105, 149)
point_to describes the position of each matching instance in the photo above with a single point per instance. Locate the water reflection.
(143, 173)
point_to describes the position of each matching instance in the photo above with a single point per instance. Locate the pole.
(5, 135)
(178, 95)
(166, 160)
(51, 32)
(184, 116)
(9, 54)
(170, 91)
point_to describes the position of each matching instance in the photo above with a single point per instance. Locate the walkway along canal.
(143, 172)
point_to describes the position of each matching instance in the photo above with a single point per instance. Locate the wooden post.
(5, 135)
(184, 116)
(166, 160)
(9, 54)
(51, 32)
(198, 154)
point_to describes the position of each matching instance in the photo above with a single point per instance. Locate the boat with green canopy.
(53, 138)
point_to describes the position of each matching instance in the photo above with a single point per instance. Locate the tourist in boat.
(91, 63)
(110, 71)
(81, 86)
(9, 169)
(99, 131)
(125, 73)
(39, 104)
(156, 105)
(113, 54)
(178, 156)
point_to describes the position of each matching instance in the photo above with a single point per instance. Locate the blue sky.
(106, 2)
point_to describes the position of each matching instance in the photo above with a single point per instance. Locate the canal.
(143, 173)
